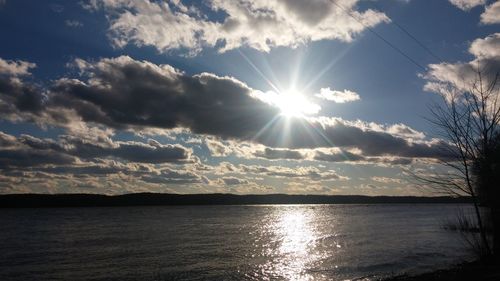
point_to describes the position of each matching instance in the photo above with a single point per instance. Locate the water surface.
(272, 242)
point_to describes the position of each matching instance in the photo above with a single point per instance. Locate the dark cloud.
(7, 140)
(151, 152)
(16, 96)
(234, 181)
(171, 176)
(311, 12)
(123, 93)
(13, 154)
(13, 158)
(341, 156)
(314, 133)
(270, 153)
(85, 162)
(19, 151)
(93, 169)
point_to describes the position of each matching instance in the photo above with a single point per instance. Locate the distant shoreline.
(158, 199)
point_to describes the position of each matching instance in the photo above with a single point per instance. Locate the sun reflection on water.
(293, 247)
(294, 227)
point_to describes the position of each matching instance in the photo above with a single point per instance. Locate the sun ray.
(325, 69)
(263, 129)
(269, 82)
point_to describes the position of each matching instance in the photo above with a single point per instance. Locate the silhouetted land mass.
(150, 199)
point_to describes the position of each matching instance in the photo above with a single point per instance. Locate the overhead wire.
(387, 42)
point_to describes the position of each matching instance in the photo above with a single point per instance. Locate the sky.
(232, 96)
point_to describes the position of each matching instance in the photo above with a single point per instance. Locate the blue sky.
(106, 96)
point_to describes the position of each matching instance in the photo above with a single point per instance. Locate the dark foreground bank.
(473, 271)
(151, 199)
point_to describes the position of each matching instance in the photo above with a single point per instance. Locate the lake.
(258, 242)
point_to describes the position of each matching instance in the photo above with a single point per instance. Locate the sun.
(293, 104)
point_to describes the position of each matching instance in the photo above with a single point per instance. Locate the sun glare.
(293, 104)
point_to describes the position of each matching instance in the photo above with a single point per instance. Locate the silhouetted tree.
(486, 171)
(468, 119)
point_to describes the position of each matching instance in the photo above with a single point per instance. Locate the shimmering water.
(291, 242)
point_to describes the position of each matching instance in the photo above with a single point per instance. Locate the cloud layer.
(226, 24)
(123, 93)
(226, 116)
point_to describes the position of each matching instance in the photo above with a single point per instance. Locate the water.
(273, 242)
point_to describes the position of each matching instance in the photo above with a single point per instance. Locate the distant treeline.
(150, 199)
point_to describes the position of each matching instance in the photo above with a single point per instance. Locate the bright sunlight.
(293, 104)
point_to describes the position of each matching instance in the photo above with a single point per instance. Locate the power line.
(401, 52)
(416, 40)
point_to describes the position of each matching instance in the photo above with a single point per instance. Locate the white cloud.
(404, 131)
(337, 96)
(73, 23)
(444, 78)
(217, 148)
(491, 14)
(487, 48)
(467, 4)
(299, 172)
(388, 180)
(15, 68)
(259, 24)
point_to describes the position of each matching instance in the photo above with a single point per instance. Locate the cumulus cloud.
(467, 4)
(259, 24)
(389, 180)
(234, 181)
(462, 75)
(13, 158)
(372, 139)
(217, 148)
(13, 154)
(404, 131)
(337, 96)
(17, 97)
(73, 23)
(272, 154)
(486, 48)
(123, 93)
(338, 156)
(15, 68)
(151, 152)
(491, 14)
(344, 156)
(70, 148)
(68, 161)
(301, 172)
(172, 176)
